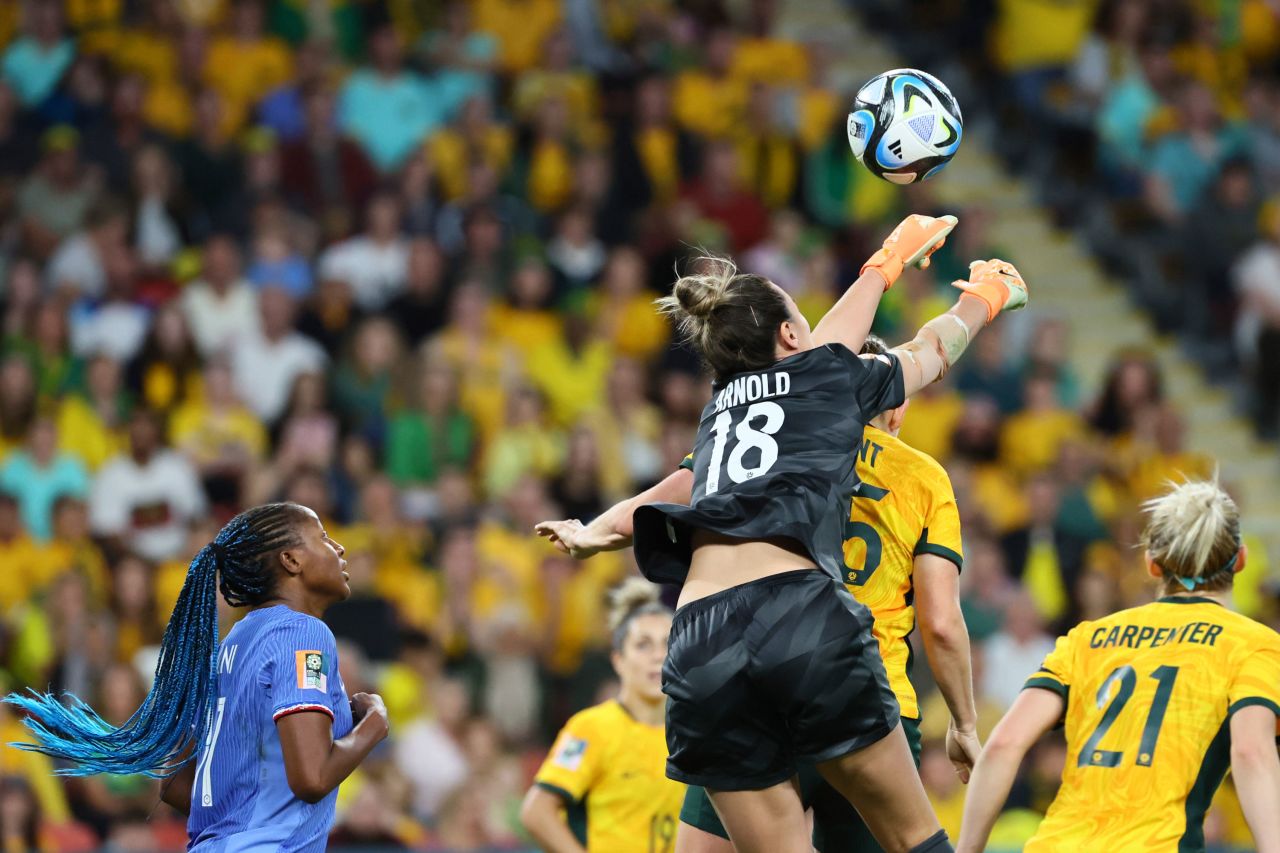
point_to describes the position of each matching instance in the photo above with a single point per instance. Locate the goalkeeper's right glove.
(997, 283)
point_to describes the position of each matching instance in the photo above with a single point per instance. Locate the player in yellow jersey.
(1157, 702)
(603, 787)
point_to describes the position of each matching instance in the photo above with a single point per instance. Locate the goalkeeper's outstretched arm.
(993, 286)
(611, 530)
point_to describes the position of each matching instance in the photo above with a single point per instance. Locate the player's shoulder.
(917, 463)
(597, 723)
(1259, 635)
(285, 622)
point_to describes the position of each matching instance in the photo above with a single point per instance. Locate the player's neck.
(879, 424)
(295, 600)
(641, 710)
(1221, 596)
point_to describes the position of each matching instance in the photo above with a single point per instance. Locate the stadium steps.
(1067, 282)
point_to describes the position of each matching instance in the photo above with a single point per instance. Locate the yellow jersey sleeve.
(571, 767)
(1258, 680)
(941, 532)
(1055, 673)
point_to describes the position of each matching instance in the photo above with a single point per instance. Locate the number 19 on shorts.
(754, 432)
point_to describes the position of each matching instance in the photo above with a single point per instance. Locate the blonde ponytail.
(1193, 534)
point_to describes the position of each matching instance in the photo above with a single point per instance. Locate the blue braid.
(175, 716)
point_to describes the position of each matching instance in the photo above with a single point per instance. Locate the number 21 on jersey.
(755, 431)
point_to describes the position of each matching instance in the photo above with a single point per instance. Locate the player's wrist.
(885, 263)
(964, 726)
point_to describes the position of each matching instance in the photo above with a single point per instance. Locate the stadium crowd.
(396, 261)
(1154, 127)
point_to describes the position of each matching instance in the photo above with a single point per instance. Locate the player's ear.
(289, 562)
(788, 338)
(1241, 559)
(897, 416)
(1152, 569)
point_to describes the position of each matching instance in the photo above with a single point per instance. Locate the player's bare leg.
(690, 839)
(882, 783)
(767, 821)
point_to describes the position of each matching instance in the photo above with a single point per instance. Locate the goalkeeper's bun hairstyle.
(633, 597)
(731, 318)
(1193, 535)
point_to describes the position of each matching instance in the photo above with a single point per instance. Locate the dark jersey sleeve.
(878, 383)
(686, 463)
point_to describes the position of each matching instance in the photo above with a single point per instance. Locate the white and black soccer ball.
(905, 125)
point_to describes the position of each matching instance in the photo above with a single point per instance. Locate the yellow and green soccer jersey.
(903, 506)
(1150, 692)
(611, 771)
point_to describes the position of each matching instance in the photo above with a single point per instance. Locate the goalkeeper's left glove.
(997, 283)
(912, 242)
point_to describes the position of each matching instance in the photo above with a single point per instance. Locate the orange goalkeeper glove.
(912, 242)
(997, 283)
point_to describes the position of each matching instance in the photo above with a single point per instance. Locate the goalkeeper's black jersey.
(775, 458)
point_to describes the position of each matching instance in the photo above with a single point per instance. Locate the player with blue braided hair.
(254, 734)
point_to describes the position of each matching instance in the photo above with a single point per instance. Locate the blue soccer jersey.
(274, 662)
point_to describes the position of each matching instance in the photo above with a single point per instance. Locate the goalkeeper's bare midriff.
(721, 562)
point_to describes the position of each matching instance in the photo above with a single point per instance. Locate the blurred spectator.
(622, 306)
(1132, 383)
(266, 363)
(275, 263)
(436, 735)
(323, 169)
(91, 422)
(122, 133)
(419, 310)
(309, 431)
(17, 401)
(987, 372)
(212, 167)
(244, 63)
(1257, 327)
(116, 324)
(158, 224)
(166, 372)
(34, 63)
(1044, 557)
(719, 195)
(220, 435)
(474, 138)
(375, 263)
(520, 26)
(1184, 162)
(385, 108)
(576, 255)
(364, 380)
(463, 56)
(41, 475)
(220, 307)
(1017, 649)
(1032, 438)
(55, 199)
(432, 435)
(366, 619)
(143, 501)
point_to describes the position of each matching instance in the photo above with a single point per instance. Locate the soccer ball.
(905, 126)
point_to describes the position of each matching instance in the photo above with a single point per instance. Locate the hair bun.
(697, 295)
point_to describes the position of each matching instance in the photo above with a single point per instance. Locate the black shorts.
(770, 675)
(837, 826)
